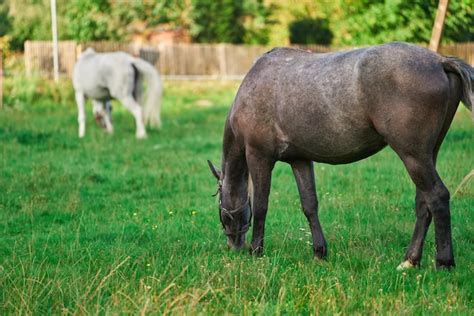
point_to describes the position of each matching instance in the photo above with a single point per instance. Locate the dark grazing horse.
(299, 107)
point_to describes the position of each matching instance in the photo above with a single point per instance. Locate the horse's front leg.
(108, 116)
(304, 175)
(81, 113)
(260, 169)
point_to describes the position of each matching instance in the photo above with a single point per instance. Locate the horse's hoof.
(405, 265)
(141, 136)
(257, 252)
(445, 265)
(321, 252)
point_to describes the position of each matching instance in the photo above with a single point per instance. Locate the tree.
(365, 22)
(257, 21)
(85, 20)
(5, 23)
(459, 23)
(362, 22)
(310, 31)
(31, 20)
(90, 20)
(231, 21)
(217, 21)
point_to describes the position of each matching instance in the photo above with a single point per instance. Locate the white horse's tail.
(152, 105)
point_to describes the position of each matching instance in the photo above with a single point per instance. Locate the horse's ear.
(214, 170)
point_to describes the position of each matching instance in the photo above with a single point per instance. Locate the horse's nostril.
(236, 243)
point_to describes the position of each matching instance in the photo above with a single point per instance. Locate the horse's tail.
(466, 74)
(152, 105)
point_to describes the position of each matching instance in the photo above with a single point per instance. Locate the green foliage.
(373, 22)
(459, 25)
(157, 12)
(218, 21)
(257, 21)
(21, 92)
(310, 31)
(112, 225)
(228, 21)
(352, 22)
(85, 20)
(5, 23)
(90, 20)
(31, 20)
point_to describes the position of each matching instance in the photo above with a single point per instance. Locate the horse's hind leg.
(418, 148)
(423, 211)
(81, 113)
(108, 110)
(108, 117)
(423, 214)
(436, 197)
(304, 175)
(137, 112)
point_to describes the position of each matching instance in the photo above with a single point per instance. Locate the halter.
(231, 213)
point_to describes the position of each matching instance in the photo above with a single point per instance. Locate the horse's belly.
(97, 93)
(331, 145)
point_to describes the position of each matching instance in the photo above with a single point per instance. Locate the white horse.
(105, 76)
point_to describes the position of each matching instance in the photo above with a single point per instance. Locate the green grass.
(110, 224)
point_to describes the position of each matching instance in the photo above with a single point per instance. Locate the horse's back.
(104, 75)
(322, 106)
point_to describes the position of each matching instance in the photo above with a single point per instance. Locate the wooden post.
(221, 48)
(438, 25)
(54, 31)
(78, 51)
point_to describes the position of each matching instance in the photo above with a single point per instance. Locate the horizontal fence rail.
(181, 61)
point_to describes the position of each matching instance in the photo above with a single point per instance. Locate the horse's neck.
(234, 168)
(235, 182)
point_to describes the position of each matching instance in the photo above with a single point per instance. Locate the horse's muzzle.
(236, 242)
(100, 120)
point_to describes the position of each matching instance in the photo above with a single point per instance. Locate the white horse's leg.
(101, 116)
(108, 109)
(108, 116)
(137, 112)
(81, 110)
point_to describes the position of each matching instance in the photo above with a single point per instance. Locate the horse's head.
(235, 219)
(102, 113)
(100, 119)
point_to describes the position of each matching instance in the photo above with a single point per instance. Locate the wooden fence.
(188, 61)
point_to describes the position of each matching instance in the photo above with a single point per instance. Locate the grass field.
(109, 224)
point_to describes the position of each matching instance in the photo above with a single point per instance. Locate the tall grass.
(109, 224)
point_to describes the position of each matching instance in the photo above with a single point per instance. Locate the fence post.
(78, 50)
(28, 57)
(438, 25)
(222, 60)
